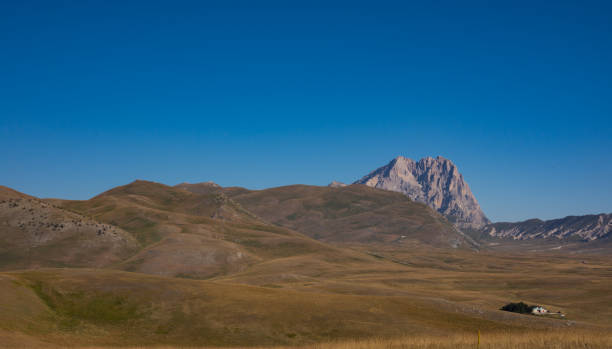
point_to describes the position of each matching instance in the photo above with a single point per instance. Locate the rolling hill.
(199, 235)
(351, 214)
(34, 233)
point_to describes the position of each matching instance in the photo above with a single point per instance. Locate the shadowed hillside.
(351, 214)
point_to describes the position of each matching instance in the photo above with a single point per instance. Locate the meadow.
(496, 340)
(430, 299)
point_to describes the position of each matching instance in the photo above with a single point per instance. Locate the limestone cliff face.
(433, 181)
(587, 228)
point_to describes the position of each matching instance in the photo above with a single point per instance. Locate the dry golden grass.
(507, 340)
(428, 295)
(532, 340)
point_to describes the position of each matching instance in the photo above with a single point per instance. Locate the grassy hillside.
(200, 235)
(34, 233)
(352, 214)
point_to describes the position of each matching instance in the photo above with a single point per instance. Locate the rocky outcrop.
(587, 228)
(433, 181)
(336, 184)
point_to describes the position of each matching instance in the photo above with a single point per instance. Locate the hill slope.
(351, 214)
(199, 235)
(34, 233)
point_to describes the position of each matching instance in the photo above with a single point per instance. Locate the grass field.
(431, 299)
(526, 340)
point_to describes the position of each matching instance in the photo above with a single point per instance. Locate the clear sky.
(95, 94)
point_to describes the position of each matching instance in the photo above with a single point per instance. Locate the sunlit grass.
(514, 340)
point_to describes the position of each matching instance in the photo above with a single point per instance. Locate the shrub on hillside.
(519, 307)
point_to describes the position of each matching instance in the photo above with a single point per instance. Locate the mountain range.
(438, 183)
(183, 230)
(586, 228)
(202, 264)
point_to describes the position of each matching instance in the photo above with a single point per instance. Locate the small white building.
(539, 310)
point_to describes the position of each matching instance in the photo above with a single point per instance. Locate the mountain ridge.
(585, 227)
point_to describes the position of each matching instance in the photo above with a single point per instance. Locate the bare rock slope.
(433, 181)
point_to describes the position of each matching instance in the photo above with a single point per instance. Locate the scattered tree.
(519, 307)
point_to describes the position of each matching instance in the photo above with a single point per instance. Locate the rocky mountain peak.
(336, 184)
(433, 181)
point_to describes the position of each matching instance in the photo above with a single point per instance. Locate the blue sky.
(94, 94)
